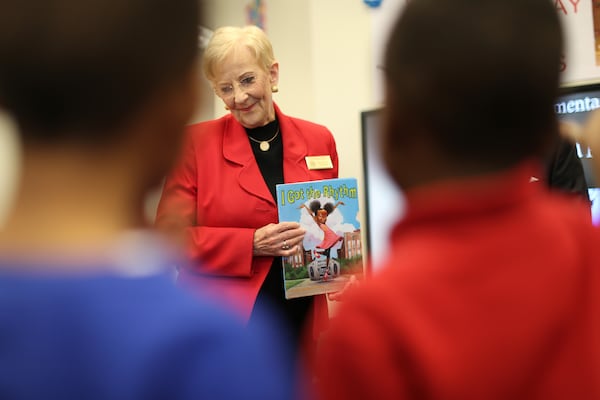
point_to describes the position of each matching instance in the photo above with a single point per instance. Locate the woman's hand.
(280, 239)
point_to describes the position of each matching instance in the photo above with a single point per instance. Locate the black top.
(565, 172)
(270, 163)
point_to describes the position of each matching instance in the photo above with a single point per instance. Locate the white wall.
(341, 65)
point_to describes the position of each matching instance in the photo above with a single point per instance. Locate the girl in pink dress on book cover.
(319, 214)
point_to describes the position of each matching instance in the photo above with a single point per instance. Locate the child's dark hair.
(484, 91)
(78, 70)
(315, 206)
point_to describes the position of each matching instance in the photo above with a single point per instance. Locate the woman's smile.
(246, 109)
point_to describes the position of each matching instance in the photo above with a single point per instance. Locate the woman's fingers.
(278, 239)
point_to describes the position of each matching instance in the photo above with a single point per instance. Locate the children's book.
(332, 248)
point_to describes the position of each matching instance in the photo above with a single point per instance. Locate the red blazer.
(219, 195)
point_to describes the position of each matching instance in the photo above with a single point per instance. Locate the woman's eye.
(225, 89)
(248, 80)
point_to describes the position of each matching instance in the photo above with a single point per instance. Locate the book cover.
(332, 248)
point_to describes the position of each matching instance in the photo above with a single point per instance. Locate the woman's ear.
(274, 74)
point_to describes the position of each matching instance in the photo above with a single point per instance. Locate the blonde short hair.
(227, 38)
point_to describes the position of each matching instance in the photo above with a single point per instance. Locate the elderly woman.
(223, 191)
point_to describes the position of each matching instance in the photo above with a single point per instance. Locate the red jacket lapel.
(236, 148)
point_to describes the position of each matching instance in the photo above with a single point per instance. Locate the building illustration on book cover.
(332, 248)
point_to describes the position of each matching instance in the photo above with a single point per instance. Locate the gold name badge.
(319, 162)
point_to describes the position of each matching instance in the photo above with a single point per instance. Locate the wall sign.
(581, 22)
